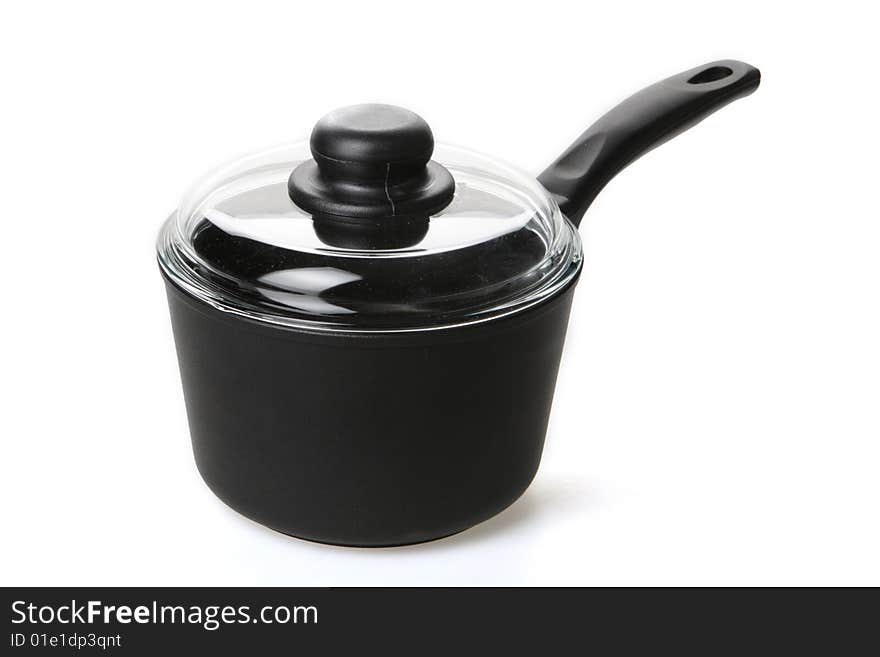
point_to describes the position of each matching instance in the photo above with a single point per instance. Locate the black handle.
(640, 123)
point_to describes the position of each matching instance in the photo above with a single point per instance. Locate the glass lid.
(359, 230)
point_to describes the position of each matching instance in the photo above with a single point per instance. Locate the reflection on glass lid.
(238, 242)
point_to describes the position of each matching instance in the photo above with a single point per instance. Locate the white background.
(717, 416)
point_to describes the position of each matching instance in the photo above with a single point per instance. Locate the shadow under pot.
(369, 326)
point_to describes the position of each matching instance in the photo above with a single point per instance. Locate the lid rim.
(278, 322)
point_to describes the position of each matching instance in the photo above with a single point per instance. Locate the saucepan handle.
(640, 123)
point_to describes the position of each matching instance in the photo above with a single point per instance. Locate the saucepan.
(369, 325)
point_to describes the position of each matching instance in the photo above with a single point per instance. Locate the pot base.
(360, 544)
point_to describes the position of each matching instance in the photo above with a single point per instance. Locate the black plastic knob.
(371, 162)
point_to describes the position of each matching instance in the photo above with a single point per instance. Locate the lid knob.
(371, 162)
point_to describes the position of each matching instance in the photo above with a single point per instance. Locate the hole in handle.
(711, 74)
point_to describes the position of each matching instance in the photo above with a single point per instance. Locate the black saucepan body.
(368, 439)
